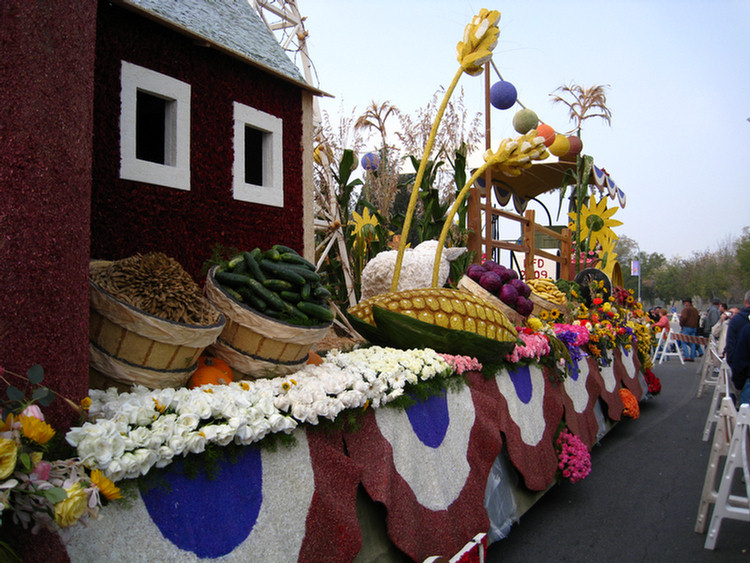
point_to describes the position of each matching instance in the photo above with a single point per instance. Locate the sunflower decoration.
(596, 223)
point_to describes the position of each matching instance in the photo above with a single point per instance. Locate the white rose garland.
(130, 433)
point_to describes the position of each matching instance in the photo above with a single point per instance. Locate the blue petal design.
(521, 379)
(574, 372)
(186, 509)
(430, 419)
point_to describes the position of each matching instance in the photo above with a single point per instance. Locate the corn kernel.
(432, 303)
(457, 322)
(418, 303)
(481, 328)
(441, 319)
(445, 305)
(426, 316)
(404, 304)
(458, 306)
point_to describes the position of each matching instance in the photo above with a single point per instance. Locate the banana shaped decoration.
(546, 289)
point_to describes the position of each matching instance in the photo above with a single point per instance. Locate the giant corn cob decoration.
(447, 320)
(457, 310)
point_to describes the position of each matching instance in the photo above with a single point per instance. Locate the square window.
(154, 128)
(258, 164)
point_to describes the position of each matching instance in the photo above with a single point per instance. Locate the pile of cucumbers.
(277, 282)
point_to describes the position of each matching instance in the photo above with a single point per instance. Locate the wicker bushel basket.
(469, 285)
(134, 347)
(256, 345)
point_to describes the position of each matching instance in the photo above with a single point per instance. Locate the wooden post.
(529, 243)
(566, 252)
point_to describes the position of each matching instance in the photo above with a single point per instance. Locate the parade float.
(215, 431)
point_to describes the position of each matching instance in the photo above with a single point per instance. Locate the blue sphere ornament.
(371, 161)
(503, 95)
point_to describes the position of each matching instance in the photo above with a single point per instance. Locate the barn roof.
(231, 26)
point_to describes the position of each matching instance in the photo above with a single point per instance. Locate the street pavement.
(641, 499)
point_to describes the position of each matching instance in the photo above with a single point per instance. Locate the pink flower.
(33, 410)
(41, 471)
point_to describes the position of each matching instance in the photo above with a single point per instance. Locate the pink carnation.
(574, 459)
(535, 347)
(460, 364)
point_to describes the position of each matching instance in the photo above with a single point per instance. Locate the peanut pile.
(155, 284)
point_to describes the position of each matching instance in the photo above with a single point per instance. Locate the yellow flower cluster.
(480, 38)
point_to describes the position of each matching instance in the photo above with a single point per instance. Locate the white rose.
(281, 423)
(141, 436)
(114, 470)
(177, 444)
(186, 422)
(144, 459)
(195, 442)
(165, 455)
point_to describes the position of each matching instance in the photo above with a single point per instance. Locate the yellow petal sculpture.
(480, 38)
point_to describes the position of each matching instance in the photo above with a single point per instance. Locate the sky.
(678, 76)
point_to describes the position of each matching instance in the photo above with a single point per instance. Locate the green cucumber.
(319, 312)
(231, 279)
(232, 264)
(251, 299)
(234, 294)
(278, 285)
(252, 266)
(297, 314)
(283, 271)
(309, 275)
(272, 254)
(256, 253)
(296, 259)
(290, 296)
(271, 298)
(305, 291)
(321, 292)
(284, 249)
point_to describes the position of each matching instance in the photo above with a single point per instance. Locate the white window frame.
(175, 172)
(271, 192)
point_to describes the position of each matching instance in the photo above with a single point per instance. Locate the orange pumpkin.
(208, 375)
(204, 361)
(314, 359)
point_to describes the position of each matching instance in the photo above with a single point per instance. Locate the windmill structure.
(284, 20)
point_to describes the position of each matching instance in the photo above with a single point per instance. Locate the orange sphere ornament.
(544, 130)
(208, 375)
(205, 361)
(560, 146)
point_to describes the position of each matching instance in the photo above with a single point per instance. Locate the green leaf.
(15, 394)
(43, 396)
(25, 460)
(35, 374)
(55, 494)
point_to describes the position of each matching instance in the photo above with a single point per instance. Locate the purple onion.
(491, 282)
(475, 271)
(522, 287)
(524, 306)
(509, 295)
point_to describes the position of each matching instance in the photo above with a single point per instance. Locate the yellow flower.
(285, 386)
(554, 314)
(8, 455)
(37, 430)
(68, 511)
(534, 324)
(107, 487)
(361, 221)
(86, 403)
(544, 315)
(480, 38)
(245, 385)
(596, 222)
